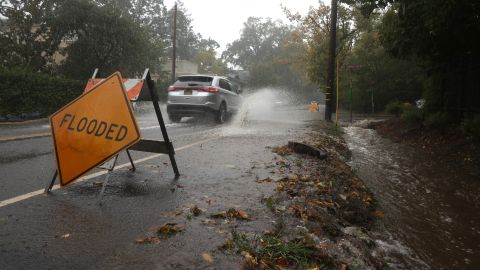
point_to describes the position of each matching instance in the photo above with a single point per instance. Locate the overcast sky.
(222, 20)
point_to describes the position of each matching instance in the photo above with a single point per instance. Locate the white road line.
(150, 127)
(24, 137)
(93, 175)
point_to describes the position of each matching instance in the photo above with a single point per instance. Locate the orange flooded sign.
(91, 129)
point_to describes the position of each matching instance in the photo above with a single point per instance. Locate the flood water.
(432, 209)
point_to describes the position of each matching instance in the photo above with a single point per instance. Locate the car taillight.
(172, 88)
(211, 89)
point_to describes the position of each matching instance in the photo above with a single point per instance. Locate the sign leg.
(172, 160)
(100, 196)
(110, 169)
(153, 95)
(50, 184)
(131, 161)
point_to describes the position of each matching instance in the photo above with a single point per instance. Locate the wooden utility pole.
(330, 93)
(174, 43)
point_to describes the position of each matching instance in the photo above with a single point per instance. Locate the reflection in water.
(432, 209)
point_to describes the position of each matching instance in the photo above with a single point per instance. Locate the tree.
(259, 41)
(260, 50)
(313, 29)
(187, 39)
(372, 72)
(150, 14)
(24, 34)
(104, 37)
(107, 34)
(207, 60)
(443, 36)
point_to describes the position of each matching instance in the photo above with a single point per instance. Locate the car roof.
(203, 75)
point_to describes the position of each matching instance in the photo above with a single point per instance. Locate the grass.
(270, 203)
(281, 150)
(271, 251)
(327, 128)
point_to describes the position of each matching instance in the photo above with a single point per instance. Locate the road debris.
(271, 252)
(148, 240)
(302, 148)
(232, 213)
(195, 211)
(265, 180)
(281, 150)
(207, 257)
(162, 232)
(323, 212)
(169, 229)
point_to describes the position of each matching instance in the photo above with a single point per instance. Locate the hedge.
(22, 91)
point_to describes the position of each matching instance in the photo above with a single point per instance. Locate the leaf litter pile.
(163, 232)
(231, 214)
(325, 216)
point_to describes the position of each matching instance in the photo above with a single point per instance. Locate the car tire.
(221, 116)
(174, 118)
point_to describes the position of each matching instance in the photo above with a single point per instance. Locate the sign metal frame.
(164, 147)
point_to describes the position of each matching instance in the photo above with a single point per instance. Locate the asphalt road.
(68, 229)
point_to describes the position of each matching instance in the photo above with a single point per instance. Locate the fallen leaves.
(270, 252)
(148, 240)
(169, 229)
(378, 214)
(163, 232)
(280, 186)
(196, 211)
(265, 180)
(249, 260)
(281, 150)
(207, 257)
(232, 213)
(209, 222)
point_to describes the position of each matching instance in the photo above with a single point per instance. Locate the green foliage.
(268, 49)
(371, 71)
(22, 91)
(472, 125)
(111, 35)
(259, 40)
(206, 58)
(104, 39)
(441, 35)
(394, 107)
(162, 85)
(23, 34)
(438, 120)
(272, 250)
(368, 75)
(412, 115)
(187, 40)
(314, 28)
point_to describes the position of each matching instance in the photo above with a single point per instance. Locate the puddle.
(431, 209)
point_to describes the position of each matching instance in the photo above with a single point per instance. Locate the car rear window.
(194, 81)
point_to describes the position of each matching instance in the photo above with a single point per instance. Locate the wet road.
(67, 229)
(432, 209)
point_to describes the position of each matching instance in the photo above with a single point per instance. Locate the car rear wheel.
(222, 114)
(174, 118)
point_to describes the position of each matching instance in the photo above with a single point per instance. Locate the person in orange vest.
(313, 107)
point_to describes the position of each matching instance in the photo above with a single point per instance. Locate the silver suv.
(193, 95)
